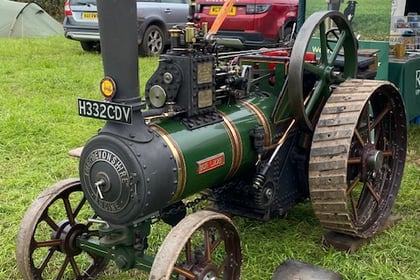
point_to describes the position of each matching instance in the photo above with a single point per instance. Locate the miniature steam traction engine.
(255, 134)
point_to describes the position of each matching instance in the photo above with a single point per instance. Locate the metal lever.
(98, 186)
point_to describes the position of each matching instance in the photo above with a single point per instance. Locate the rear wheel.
(153, 41)
(357, 157)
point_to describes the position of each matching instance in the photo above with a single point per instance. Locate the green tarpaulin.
(26, 20)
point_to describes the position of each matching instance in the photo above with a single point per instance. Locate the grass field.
(41, 81)
(371, 21)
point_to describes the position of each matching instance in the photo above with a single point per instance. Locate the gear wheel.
(265, 196)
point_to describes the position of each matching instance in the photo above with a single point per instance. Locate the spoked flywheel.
(46, 243)
(357, 157)
(203, 246)
(310, 81)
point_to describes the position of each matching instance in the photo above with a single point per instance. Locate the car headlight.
(258, 8)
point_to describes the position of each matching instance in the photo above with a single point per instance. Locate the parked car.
(251, 23)
(155, 18)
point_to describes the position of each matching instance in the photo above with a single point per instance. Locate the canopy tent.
(26, 20)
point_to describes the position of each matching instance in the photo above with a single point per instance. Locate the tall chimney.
(119, 47)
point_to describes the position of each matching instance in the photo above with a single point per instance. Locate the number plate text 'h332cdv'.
(105, 110)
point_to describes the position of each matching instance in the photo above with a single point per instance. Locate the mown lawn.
(371, 20)
(41, 81)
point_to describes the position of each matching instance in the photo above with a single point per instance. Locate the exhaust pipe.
(119, 47)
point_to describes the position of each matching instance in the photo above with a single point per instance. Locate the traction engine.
(254, 133)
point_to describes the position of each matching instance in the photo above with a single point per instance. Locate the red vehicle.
(251, 23)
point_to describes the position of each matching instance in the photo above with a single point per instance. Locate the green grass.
(41, 81)
(371, 21)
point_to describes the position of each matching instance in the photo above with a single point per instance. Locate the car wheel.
(153, 41)
(286, 35)
(90, 46)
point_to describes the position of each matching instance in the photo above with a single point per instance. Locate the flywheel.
(310, 81)
(357, 157)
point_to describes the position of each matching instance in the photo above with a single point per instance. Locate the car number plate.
(105, 110)
(215, 10)
(90, 16)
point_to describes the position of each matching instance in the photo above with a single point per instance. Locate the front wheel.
(153, 41)
(47, 238)
(204, 245)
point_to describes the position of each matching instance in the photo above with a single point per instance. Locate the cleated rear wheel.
(357, 157)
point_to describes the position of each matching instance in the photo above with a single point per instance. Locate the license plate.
(90, 16)
(105, 110)
(215, 10)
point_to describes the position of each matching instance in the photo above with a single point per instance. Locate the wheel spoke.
(79, 206)
(372, 192)
(216, 244)
(354, 160)
(333, 56)
(188, 251)
(207, 245)
(50, 221)
(184, 272)
(49, 243)
(387, 153)
(381, 116)
(46, 261)
(314, 69)
(75, 267)
(323, 43)
(316, 95)
(359, 137)
(69, 211)
(353, 185)
(63, 268)
(354, 208)
(222, 266)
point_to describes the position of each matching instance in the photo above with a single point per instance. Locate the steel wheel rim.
(180, 257)
(378, 153)
(44, 241)
(357, 157)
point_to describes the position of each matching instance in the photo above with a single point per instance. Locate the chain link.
(173, 211)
